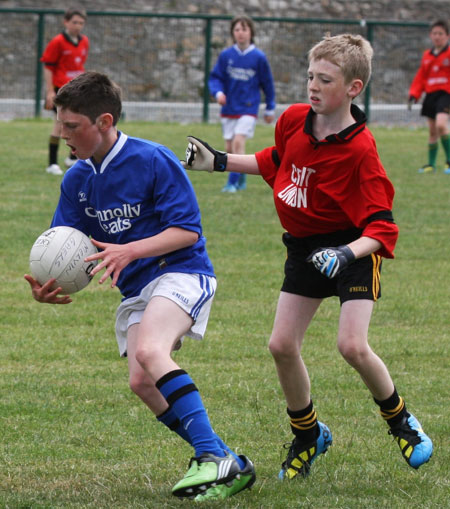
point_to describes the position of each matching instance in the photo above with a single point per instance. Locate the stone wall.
(162, 59)
(400, 10)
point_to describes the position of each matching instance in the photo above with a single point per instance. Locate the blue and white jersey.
(139, 190)
(240, 75)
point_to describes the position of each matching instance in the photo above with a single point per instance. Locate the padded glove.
(202, 157)
(331, 260)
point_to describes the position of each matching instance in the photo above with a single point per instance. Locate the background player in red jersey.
(433, 78)
(330, 189)
(64, 59)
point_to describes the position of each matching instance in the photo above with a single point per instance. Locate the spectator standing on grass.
(134, 198)
(63, 59)
(241, 71)
(433, 78)
(334, 199)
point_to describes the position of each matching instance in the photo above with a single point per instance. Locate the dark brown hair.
(74, 11)
(440, 23)
(244, 20)
(91, 94)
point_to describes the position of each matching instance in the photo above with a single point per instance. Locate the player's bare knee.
(442, 129)
(352, 352)
(282, 348)
(138, 384)
(146, 357)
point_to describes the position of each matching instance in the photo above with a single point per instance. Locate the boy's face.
(242, 34)
(327, 90)
(438, 37)
(74, 25)
(82, 136)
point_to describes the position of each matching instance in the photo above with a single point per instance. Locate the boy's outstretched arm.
(201, 156)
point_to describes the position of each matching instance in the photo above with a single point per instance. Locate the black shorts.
(434, 103)
(360, 280)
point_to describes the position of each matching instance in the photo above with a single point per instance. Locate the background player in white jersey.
(134, 198)
(241, 71)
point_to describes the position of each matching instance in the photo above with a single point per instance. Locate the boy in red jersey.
(64, 59)
(433, 78)
(330, 189)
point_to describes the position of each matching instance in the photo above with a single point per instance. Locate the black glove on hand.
(331, 260)
(412, 100)
(202, 157)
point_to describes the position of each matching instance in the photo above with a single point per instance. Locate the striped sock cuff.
(174, 385)
(304, 423)
(390, 413)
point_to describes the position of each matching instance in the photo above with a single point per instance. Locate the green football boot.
(243, 480)
(205, 472)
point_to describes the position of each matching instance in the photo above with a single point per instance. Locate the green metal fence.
(166, 58)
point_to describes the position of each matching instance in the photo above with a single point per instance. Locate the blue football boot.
(301, 456)
(416, 447)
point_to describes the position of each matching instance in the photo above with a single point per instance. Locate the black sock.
(392, 409)
(53, 150)
(304, 423)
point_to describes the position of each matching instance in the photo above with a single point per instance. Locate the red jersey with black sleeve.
(65, 58)
(323, 186)
(433, 74)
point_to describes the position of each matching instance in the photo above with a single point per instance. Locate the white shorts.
(192, 292)
(244, 125)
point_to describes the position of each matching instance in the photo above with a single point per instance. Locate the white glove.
(202, 157)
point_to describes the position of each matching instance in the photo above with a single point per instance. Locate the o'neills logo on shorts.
(357, 289)
(181, 297)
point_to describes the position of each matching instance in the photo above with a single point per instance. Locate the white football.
(59, 253)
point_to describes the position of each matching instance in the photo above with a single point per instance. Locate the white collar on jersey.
(247, 50)
(117, 147)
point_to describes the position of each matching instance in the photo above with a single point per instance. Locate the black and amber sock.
(392, 409)
(304, 423)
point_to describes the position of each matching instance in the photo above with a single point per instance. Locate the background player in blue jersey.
(241, 71)
(134, 198)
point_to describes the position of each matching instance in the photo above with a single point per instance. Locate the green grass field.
(74, 436)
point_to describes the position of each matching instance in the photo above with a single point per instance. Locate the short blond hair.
(352, 53)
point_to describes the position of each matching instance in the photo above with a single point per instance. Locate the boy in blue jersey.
(241, 71)
(134, 199)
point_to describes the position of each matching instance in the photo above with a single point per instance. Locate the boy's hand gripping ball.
(59, 253)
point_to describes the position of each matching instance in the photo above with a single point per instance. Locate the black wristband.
(347, 252)
(220, 161)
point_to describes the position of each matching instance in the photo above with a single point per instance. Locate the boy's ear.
(355, 88)
(104, 121)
